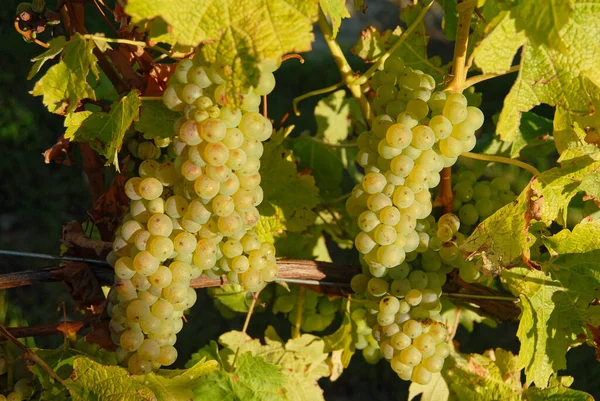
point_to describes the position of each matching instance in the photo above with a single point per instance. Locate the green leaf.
(435, 390)
(253, 379)
(336, 115)
(105, 131)
(531, 129)
(322, 162)
(569, 136)
(156, 120)
(177, 384)
(233, 296)
(239, 33)
(301, 361)
(93, 381)
(581, 240)
(543, 24)
(341, 346)
(56, 46)
(336, 11)
(65, 84)
(450, 19)
(482, 377)
(558, 393)
(557, 78)
(373, 43)
(289, 196)
(503, 238)
(551, 319)
(495, 53)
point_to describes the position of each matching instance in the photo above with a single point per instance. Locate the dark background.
(36, 199)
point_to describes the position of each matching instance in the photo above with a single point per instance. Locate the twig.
(501, 159)
(265, 109)
(456, 322)
(52, 257)
(299, 309)
(474, 80)
(317, 92)
(101, 11)
(291, 56)
(459, 70)
(244, 328)
(44, 329)
(31, 354)
(345, 70)
(477, 296)
(445, 196)
(27, 35)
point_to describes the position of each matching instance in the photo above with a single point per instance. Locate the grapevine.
(235, 225)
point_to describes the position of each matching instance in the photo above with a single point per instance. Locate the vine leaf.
(435, 390)
(93, 380)
(562, 70)
(240, 33)
(341, 346)
(336, 11)
(569, 136)
(373, 43)
(156, 120)
(543, 24)
(65, 84)
(292, 369)
(553, 315)
(503, 238)
(289, 196)
(495, 53)
(336, 116)
(56, 46)
(105, 131)
(253, 379)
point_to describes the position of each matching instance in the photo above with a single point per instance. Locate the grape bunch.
(416, 133)
(192, 211)
(318, 311)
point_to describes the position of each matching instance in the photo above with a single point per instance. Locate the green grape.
(400, 341)
(402, 165)
(413, 297)
(399, 135)
(469, 273)
(444, 232)
(131, 339)
(145, 263)
(390, 255)
(384, 234)
(425, 344)
(433, 364)
(410, 356)
(376, 202)
(399, 272)
(160, 225)
(481, 190)
(14, 396)
(421, 375)
(377, 287)
(423, 137)
(442, 350)
(484, 207)
(463, 191)
(371, 354)
(389, 305)
(373, 183)
(403, 197)
(418, 279)
(160, 247)
(450, 147)
(418, 108)
(468, 214)
(359, 283)
(450, 220)
(438, 332)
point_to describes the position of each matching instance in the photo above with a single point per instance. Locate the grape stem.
(245, 328)
(501, 159)
(150, 98)
(125, 42)
(459, 70)
(27, 35)
(317, 92)
(474, 80)
(348, 76)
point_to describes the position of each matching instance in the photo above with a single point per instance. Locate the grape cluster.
(318, 311)
(192, 212)
(476, 200)
(416, 133)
